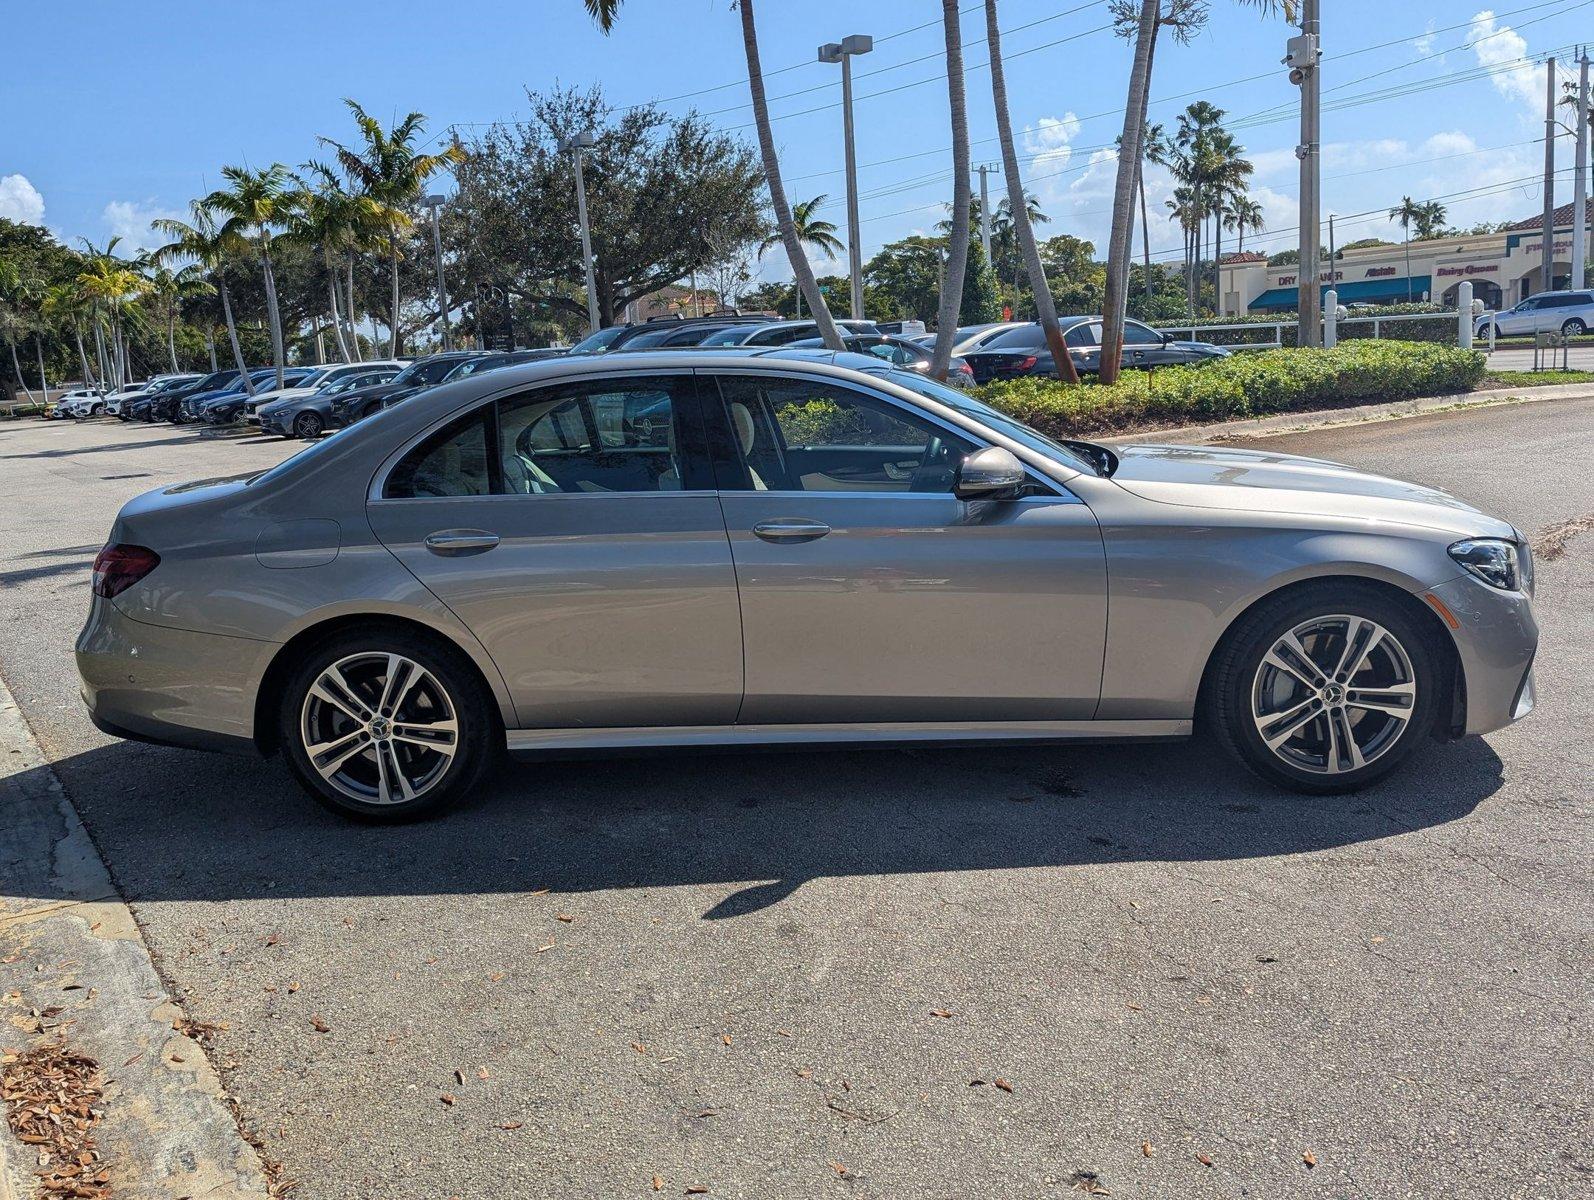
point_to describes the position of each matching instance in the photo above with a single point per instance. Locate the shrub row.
(1245, 385)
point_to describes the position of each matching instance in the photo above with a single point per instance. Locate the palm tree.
(1018, 211)
(1245, 216)
(111, 282)
(204, 241)
(811, 232)
(1141, 21)
(1431, 216)
(1225, 180)
(171, 288)
(1157, 149)
(604, 12)
(1407, 212)
(65, 304)
(254, 201)
(330, 220)
(957, 261)
(391, 172)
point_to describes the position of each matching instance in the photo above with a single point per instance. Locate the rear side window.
(593, 438)
(1022, 338)
(452, 462)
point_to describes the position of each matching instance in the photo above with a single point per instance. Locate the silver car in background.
(788, 547)
(1568, 313)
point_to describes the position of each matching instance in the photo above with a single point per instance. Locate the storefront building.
(1503, 268)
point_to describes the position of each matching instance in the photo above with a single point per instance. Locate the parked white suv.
(81, 402)
(1571, 313)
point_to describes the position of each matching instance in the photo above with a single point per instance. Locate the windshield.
(730, 336)
(597, 343)
(986, 415)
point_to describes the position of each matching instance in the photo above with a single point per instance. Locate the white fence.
(1382, 326)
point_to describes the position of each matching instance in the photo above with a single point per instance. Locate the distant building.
(1504, 268)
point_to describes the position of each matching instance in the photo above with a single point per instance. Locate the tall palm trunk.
(1118, 246)
(957, 259)
(1217, 260)
(232, 334)
(82, 354)
(171, 336)
(354, 312)
(99, 348)
(38, 350)
(272, 311)
(1145, 235)
(1018, 207)
(807, 285)
(16, 369)
(337, 319)
(210, 346)
(393, 311)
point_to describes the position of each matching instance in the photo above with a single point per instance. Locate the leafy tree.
(210, 243)
(665, 197)
(255, 201)
(1076, 279)
(905, 278)
(980, 300)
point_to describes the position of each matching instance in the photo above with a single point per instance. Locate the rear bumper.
(171, 686)
(1496, 641)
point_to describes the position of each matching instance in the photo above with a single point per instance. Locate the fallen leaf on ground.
(941, 1012)
(545, 949)
(696, 1189)
(1002, 1083)
(1309, 1158)
(511, 1125)
(565, 917)
(447, 1098)
(658, 1183)
(805, 1073)
(1203, 1160)
(838, 1168)
(1136, 1008)
(273, 939)
(726, 1038)
(639, 1047)
(496, 977)
(483, 1073)
(1145, 1148)
(707, 1112)
(320, 1026)
(459, 1078)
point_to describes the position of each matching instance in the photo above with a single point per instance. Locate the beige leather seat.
(747, 438)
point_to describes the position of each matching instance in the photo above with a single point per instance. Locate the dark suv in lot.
(359, 403)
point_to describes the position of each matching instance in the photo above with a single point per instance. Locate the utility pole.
(1303, 59)
(581, 142)
(985, 214)
(1547, 242)
(435, 203)
(1580, 174)
(842, 52)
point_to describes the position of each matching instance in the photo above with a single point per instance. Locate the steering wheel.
(929, 475)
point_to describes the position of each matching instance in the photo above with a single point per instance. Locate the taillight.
(119, 566)
(965, 369)
(1024, 364)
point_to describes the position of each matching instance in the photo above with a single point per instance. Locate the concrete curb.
(1197, 435)
(68, 940)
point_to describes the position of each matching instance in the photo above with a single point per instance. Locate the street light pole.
(842, 52)
(1303, 58)
(1580, 174)
(985, 213)
(581, 142)
(435, 203)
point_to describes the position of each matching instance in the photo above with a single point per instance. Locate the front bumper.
(172, 686)
(1496, 637)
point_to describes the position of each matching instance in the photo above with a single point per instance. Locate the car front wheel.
(307, 425)
(1325, 690)
(386, 726)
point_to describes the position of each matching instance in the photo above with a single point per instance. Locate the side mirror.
(1167, 339)
(989, 474)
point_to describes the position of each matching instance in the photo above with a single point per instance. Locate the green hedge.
(1244, 385)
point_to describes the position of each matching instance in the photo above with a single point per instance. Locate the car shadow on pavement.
(177, 825)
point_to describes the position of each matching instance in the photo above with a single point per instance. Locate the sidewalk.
(74, 968)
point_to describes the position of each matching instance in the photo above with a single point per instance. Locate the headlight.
(1496, 562)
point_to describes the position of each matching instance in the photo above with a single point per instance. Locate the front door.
(870, 593)
(574, 528)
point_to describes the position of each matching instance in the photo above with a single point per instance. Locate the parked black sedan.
(1023, 351)
(148, 407)
(359, 403)
(307, 416)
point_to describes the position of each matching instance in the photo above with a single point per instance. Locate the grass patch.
(1516, 379)
(1246, 385)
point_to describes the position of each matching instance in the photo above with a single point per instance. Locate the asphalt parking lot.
(887, 974)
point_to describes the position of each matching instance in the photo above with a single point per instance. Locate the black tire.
(1572, 327)
(1235, 681)
(308, 425)
(370, 410)
(477, 743)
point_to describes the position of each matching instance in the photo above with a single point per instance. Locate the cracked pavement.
(728, 970)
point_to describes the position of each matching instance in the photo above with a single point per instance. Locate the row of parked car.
(314, 399)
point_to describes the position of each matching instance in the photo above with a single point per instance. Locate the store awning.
(1389, 291)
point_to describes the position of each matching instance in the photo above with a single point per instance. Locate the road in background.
(794, 974)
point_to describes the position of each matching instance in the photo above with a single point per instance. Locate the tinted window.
(780, 335)
(610, 436)
(796, 435)
(452, 462)
(1083, 334)
(649, 337)
(1025, 337)
(597, 343)
(1136, 334)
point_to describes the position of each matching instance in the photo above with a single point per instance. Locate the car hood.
(263, 398)
(1202, 347)
(1257, 481)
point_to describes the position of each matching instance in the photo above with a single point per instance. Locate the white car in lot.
(1568, 313)
(156, 383)
(310, 385)
(80, 402)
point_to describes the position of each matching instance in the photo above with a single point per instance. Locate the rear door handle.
(453, 542)
(790, 529)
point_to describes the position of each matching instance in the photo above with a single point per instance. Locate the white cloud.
(1424, 44)
(1047, 143)
(1504, 51)
(130, 220)
(20, 200)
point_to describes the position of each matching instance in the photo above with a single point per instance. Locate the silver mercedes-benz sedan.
(759, 548)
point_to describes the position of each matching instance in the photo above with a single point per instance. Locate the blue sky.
(114, 113)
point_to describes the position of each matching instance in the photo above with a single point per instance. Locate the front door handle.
(790, 529)
(453, 542)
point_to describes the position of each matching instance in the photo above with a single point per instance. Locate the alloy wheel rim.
(379, 728)
(1333, 694)
(306, 425)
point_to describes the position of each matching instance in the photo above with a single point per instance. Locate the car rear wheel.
(307, 425)
(1325, 690)
(387, 726)
(1572, 327)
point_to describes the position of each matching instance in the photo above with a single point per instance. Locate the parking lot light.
(842, 52)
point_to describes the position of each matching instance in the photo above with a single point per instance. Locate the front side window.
(1136, 334)
(1083, 334)
(801, 436)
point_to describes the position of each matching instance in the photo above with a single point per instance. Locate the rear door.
(574, 528)
(870, 593)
